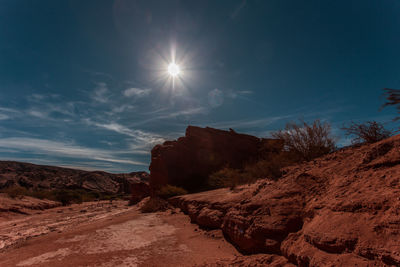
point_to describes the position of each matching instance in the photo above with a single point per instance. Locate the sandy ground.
(105, 234)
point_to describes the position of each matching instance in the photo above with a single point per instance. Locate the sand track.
(108, 234)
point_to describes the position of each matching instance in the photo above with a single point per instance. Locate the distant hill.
(41, 177)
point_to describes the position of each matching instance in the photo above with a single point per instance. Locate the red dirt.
(109, 234)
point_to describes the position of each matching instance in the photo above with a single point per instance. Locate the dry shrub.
(270, 168)
(154, 204)
(368, 132)
(304, 142)
(168, 191)
(393, 99)
(226, 177)
(15, 191)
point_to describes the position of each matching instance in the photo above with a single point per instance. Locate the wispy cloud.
(7, 113)
(61, 149)
(215, 98)
(38, 114)
(238, 124)
(169, 114)
(140, 139)
(240, 93)
(9, 110)
(4, 117)
(122, 108)
(136, 92)
(100, 93)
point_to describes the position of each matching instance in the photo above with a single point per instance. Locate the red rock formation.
(139, 191)
(188, 161)
(339, 210)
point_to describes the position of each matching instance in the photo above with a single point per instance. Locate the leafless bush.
(226, 177)
(306, 142)
(368, 132)
(269, 168)
(393, 99)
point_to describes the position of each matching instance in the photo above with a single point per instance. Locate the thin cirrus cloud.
(100, 93)
(215, 98)
(61, 149)
(7, 113)
(38, 114)
(140, 138)
(136, 92)
(163, 114)
(238, 124)
(4, 117)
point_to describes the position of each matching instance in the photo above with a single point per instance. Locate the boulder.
(188, 161)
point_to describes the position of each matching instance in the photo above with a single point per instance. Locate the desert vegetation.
(392, 99)
(265, 168)
(301, 142)
(368, 132)
(168, 191)
(304, 141)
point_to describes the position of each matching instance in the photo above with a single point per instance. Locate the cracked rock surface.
(339, 210)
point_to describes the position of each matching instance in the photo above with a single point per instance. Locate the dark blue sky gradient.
(84, 84)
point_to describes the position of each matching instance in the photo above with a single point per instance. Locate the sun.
(173, 69)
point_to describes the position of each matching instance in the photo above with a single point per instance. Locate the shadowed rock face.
(49, 177)
(188, 161)
(342, 209)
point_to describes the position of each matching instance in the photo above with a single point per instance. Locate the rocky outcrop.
(339, 210)
(188, 161)
(40, 177)
(139, 191)
(253, 261)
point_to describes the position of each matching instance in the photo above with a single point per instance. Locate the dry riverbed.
(108, 234)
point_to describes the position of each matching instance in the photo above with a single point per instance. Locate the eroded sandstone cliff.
(188, 161)
(339, 210)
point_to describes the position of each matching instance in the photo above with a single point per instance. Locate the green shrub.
(168, 191)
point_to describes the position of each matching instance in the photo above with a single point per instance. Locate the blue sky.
(84, 83)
